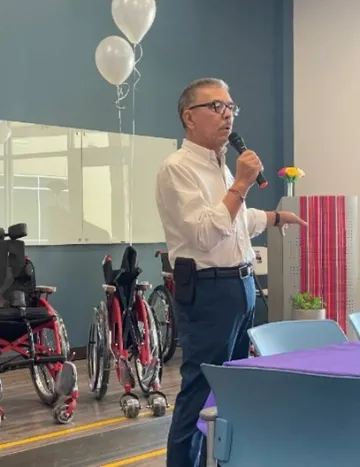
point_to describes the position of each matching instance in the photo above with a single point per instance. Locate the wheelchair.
(27, 322)
(161, 300)
(124, 330)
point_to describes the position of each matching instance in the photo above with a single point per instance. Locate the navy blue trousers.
(211, 330)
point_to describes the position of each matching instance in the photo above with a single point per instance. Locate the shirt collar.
(203, 152)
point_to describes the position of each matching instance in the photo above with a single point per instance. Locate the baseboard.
(80, 352)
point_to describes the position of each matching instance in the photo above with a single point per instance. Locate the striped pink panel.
(323, 253)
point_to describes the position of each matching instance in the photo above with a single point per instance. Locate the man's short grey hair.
(188, 95)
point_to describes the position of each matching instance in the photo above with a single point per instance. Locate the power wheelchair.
(26, 318)
(124, 330)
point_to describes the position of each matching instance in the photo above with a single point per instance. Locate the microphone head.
(237, 142)
(233, 137)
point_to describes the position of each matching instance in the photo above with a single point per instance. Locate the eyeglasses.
(219, 107)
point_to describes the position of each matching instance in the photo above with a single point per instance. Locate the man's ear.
(188, 119)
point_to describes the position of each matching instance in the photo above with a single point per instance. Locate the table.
(340, 360)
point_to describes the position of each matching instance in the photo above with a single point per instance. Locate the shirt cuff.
(258, 223)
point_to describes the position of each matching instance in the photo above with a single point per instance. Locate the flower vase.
(290, 189)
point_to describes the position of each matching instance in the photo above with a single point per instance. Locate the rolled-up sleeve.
(178, 193)
(256, 222)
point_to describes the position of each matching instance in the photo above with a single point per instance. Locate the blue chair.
(272, 418)
(289, 336)
(354, 319)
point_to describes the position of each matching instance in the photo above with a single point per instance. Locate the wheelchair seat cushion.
(32, 314)
(12, 323)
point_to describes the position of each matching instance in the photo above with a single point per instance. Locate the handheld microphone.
(239, 145)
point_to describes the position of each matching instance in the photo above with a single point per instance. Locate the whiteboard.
(75, 186)
(41, 183)
(119, 174)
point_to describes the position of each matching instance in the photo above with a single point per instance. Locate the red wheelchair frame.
(24, 316)
(167, 272)
(124, 328)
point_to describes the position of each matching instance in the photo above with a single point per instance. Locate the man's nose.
(228, 115)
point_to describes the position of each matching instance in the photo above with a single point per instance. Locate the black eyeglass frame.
(219, 107)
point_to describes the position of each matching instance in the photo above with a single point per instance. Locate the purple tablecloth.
(341, 360)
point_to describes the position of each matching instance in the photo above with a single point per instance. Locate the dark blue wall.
(48, 75)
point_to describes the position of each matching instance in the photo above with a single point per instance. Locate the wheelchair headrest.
(17, 231)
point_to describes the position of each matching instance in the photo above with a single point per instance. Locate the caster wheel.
(158, 404)
(159, 407)
(131, 408)
(61, 416)
(130, 405)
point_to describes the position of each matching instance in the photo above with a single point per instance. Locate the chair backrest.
(124, 278)
(354, 319)
(165, 263)
(128, 272)
(271, 418)
(260, 262)
(289, 336)
(16, 271)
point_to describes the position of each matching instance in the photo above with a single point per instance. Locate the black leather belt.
(242, 271)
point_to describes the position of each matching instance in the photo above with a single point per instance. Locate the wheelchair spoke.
(98, 353)
(161, 302)
(150, 373)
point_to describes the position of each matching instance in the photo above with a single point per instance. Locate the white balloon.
(134, 17)
(115, 59)
(5, 132)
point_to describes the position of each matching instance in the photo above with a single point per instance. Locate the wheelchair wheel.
(162, 303)
(44, 375)
(148, 375)
(98, 352)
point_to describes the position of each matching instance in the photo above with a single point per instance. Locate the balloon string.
(137, 74)
(122, 91)
(136, 77)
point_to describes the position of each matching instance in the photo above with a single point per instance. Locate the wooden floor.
(99, 435)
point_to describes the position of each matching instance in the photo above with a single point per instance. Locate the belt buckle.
(245, 271)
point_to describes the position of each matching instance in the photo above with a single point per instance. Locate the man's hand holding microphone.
(248, 168)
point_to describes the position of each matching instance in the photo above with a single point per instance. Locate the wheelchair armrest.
(143, 286)
(167, 275)
(209, 414)
(110, 289)
(47, 289)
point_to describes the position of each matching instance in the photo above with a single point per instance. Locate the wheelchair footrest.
(66, 380)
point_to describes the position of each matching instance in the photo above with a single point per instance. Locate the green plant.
(306, 301)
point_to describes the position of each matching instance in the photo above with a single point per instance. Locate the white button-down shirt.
(189, 192)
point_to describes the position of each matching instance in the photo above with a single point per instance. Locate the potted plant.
(307, 306)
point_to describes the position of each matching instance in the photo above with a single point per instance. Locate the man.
(208, 228)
